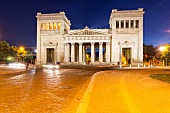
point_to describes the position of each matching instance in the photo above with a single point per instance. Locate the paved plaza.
(91, 90)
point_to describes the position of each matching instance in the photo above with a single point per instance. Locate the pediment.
(87, 31)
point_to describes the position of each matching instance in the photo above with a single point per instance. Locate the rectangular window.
(55, 26)
(132, 24)
(117, 24)
(127, 23)
(137, 24)
(59, 26)
(122, 23)
(51, 26)
(41, 26)
(47, 26)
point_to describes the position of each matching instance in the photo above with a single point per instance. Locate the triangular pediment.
(87, 31)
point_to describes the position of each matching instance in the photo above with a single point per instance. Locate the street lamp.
(163, 48)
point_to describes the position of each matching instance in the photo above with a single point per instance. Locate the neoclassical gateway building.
(122, 43)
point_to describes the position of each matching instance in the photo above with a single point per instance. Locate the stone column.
(80, 52)
(65, 52)
(129, 23)
(68, 53)
(107, 51)
(100, 51)
(92, 52)
(84, 57)
(72, 52)
(119, 23)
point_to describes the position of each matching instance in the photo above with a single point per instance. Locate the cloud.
(168, 31)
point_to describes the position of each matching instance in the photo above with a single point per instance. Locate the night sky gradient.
(18, 21)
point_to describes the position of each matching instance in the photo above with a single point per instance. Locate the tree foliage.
(165, 53)
(149, 51)
(5, 51)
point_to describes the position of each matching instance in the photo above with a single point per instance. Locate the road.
(43, 90)
(126, 91)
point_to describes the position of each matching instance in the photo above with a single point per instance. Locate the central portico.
(78, 42)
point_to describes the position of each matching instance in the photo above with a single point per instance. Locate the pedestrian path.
(126, 91)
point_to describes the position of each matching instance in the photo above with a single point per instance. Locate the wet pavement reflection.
(43, 90)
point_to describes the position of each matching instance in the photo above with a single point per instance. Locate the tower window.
(132, 23)
(47, 26)
(51, 26)
(117, 24)
(137, 24)
(127, 23)
(59, 26)
(41, 26)
(122, 24)
(55, 26)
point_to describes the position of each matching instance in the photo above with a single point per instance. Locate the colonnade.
(81, 52)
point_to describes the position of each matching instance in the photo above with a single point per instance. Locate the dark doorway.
(50, 55)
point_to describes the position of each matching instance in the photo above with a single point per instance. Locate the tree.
(21, 53)
(149, 52)
(165, 52)
(5, 51)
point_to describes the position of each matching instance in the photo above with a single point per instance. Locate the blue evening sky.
(18, 21)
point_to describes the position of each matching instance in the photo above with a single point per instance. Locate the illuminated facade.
(122, 42)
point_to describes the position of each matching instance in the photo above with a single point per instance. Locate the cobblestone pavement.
(126, 91)
(42, 90)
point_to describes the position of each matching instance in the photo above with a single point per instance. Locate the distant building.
(122, 43)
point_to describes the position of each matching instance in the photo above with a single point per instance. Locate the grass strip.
(162, 77)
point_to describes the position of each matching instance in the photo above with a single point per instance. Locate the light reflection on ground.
(41, 90)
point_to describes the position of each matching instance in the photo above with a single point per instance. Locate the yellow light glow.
(59, 25)
(162, 48)
(55, 26)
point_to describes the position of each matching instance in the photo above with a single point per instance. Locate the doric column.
(66, 52)
(134, 23)
(100, 51)
(129, 23)
(92, 51)
(119, 23)
(80, 52)
(72, 52)
(84, 56)
(107, 51)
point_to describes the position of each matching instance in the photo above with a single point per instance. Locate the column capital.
(92, 43)
(72, 43)
(108, 43)
(80, 43)
(100, 43)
